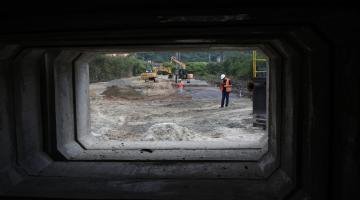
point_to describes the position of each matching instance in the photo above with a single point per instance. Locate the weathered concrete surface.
(324, 153)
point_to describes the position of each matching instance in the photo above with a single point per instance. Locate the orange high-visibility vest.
(181, 85)
(227, 86)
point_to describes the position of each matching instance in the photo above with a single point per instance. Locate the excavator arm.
(178, 62)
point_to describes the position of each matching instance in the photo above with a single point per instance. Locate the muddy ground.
(131, 109)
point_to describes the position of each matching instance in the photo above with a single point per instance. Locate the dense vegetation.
(191, 56)
(105, 68)
(204, 65)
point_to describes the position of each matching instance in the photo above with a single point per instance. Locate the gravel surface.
(159, 113)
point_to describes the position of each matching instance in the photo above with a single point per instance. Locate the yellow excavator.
(182, 72)
(152, 72)
(149, 74)
(161, 70)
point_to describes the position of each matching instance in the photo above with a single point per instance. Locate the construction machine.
(155, 69)
(149, 74)
(161, 70)
(259, 69)
(181, 72)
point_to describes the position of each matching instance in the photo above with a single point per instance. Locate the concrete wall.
(314, 153)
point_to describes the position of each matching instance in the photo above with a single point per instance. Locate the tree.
(239, 68)
(198, 68)
(105, 68)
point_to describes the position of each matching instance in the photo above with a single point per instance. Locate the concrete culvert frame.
(94, 148)
(54, 147)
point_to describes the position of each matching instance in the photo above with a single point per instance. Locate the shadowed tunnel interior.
(312, 145)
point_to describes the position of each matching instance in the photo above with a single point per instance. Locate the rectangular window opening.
(172, 99)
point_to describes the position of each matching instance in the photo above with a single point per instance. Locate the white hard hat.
(222, 76)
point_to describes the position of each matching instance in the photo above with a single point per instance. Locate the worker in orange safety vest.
(225, 88)
(181, 87)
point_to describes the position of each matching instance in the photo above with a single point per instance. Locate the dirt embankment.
(136, 89)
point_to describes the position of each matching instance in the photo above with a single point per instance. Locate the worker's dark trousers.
(225, 95)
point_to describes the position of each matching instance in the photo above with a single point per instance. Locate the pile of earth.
(135, 88)
(169, 132)
(122, 92)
